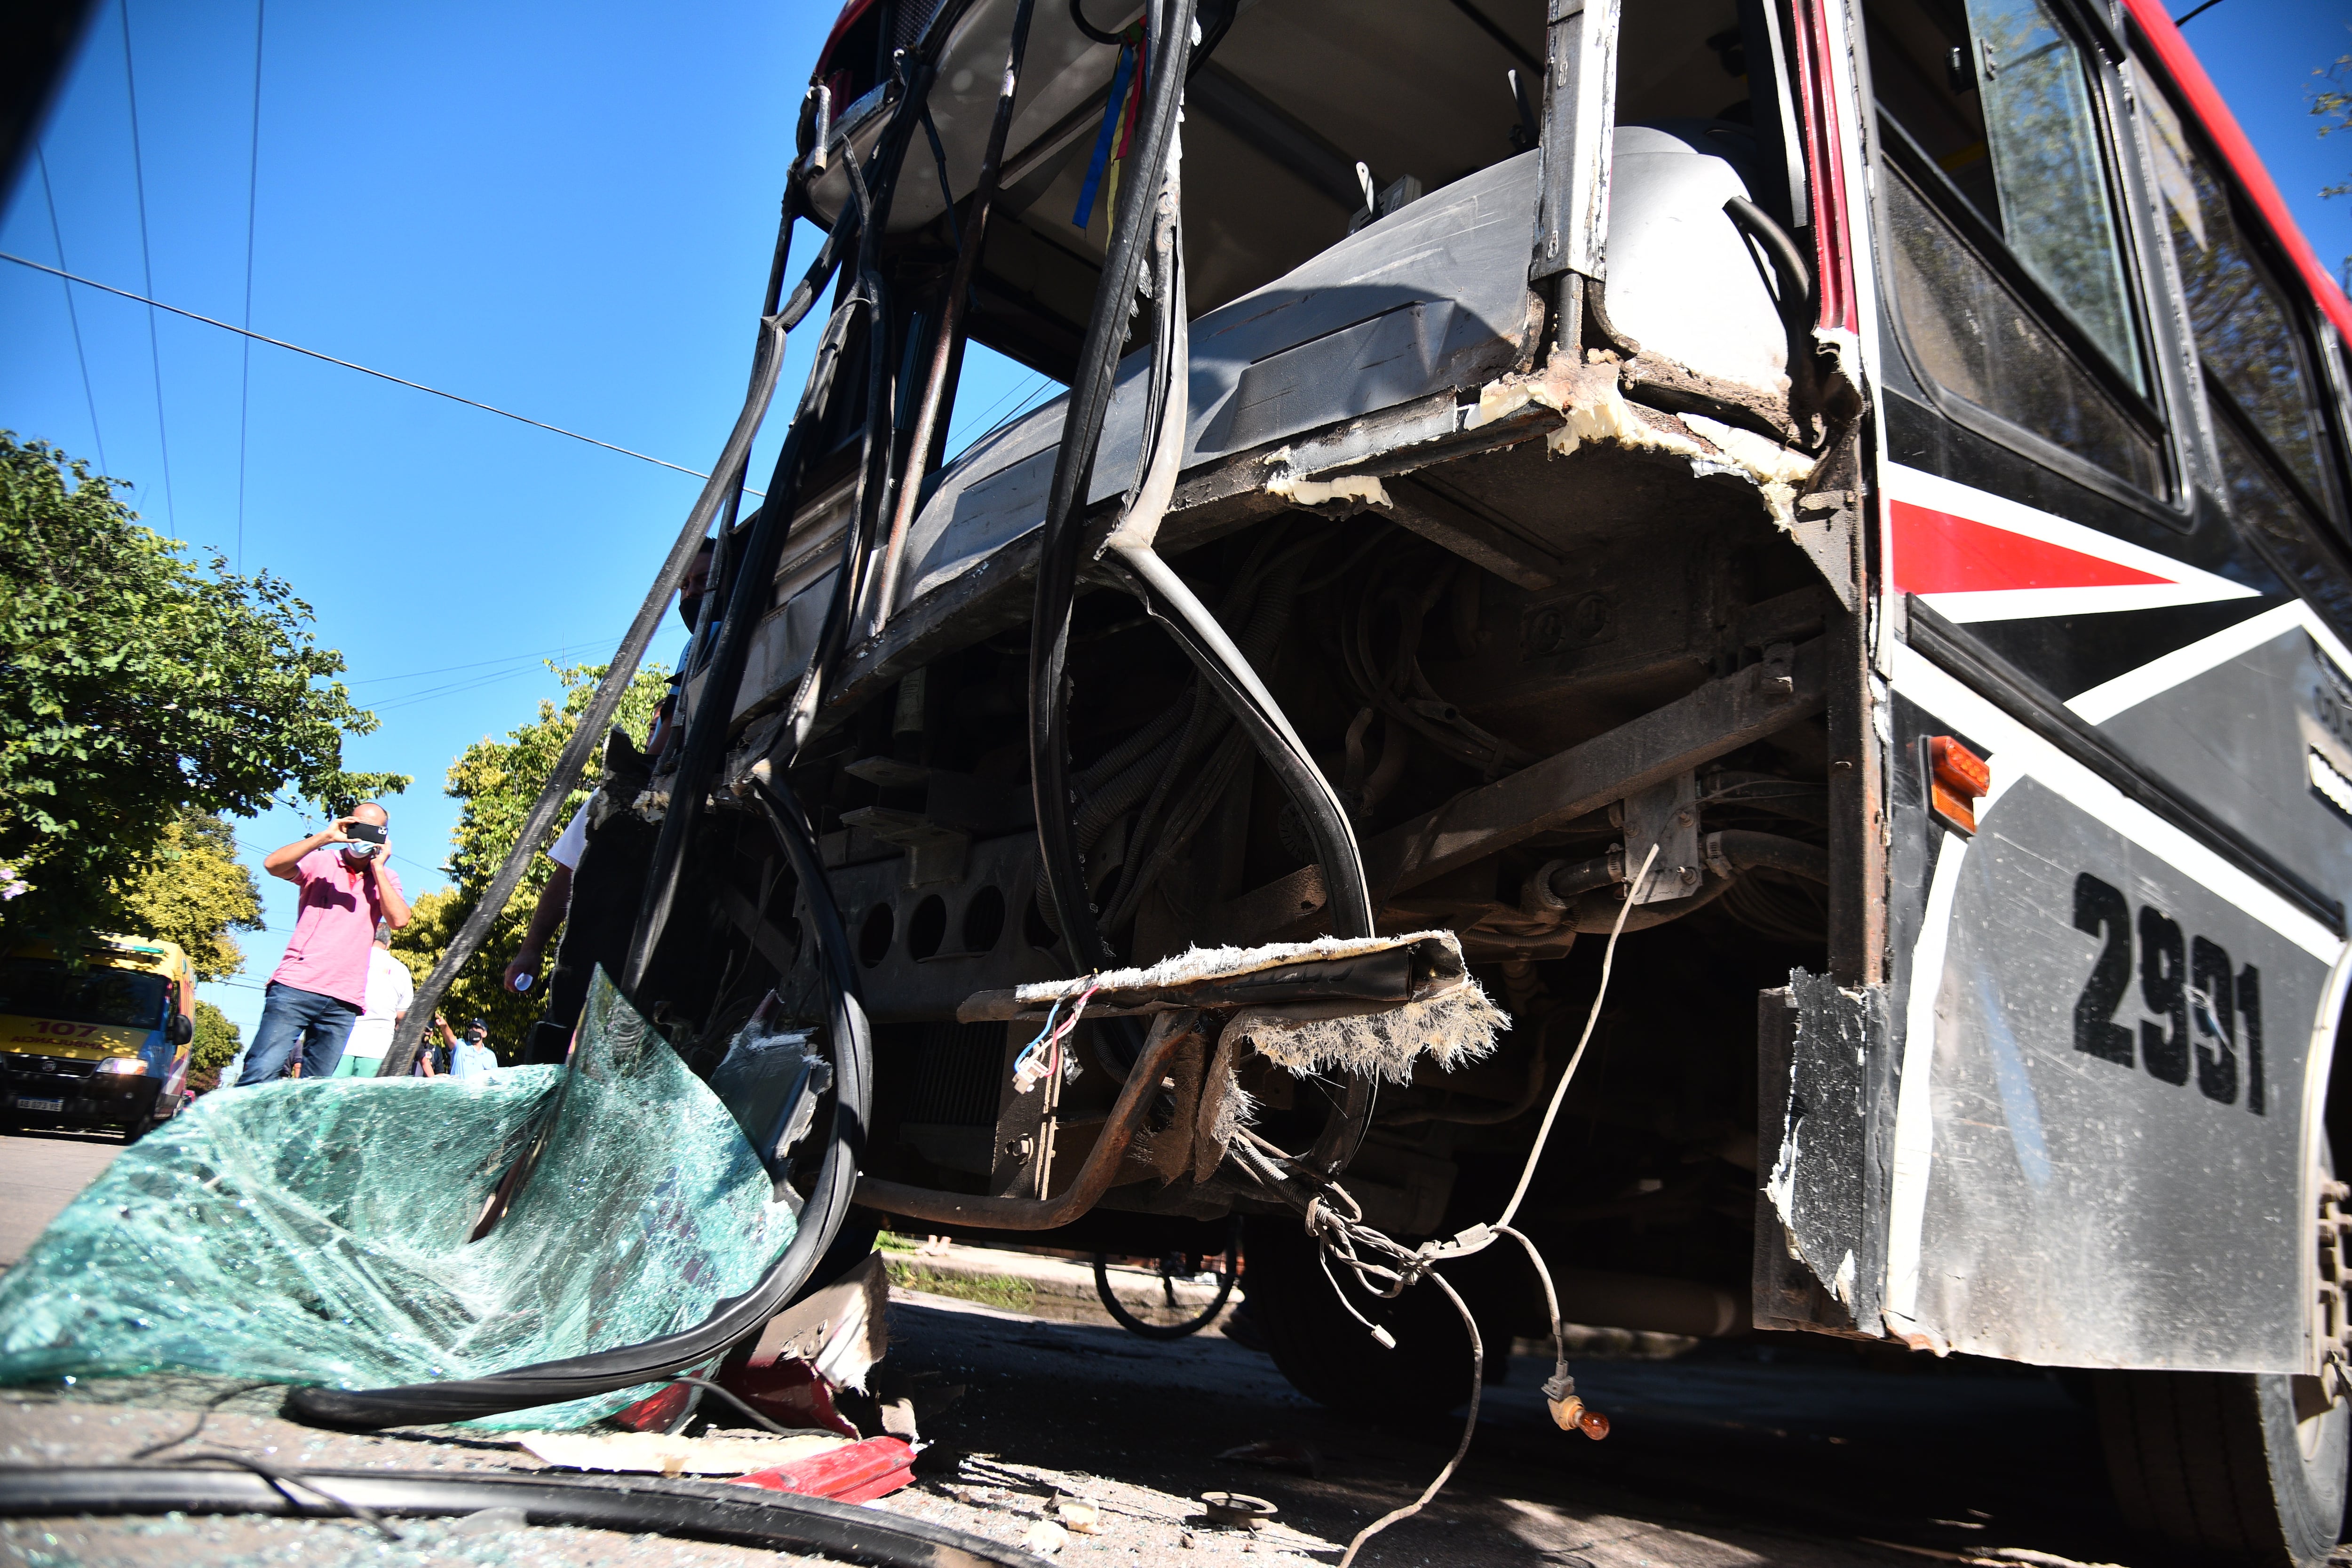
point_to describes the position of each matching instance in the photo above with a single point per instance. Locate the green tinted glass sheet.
(316, 1232)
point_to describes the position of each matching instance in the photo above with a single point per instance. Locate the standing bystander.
(390, 989)
(320, 990)
(432, 1058)
(470, 1055)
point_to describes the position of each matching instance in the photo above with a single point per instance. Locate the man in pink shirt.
(321, 989)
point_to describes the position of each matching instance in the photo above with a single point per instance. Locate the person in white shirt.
(390, 989)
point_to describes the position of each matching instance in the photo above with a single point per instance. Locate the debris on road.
(657, 1454)
(1078, 1514)
(1238, 1511)
(854, 1472)
(1046, 1536)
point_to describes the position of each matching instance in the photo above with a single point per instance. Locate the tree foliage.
(191, 890)
(134, 685)
(215, 1046)
(498, 781)
(2333, 104)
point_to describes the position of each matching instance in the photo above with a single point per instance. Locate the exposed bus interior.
(1548, 594)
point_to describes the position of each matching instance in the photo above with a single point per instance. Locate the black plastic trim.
(2015, 693)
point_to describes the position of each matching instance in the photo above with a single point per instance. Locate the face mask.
(361, 851)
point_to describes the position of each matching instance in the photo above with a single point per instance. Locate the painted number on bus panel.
(2202, 1008)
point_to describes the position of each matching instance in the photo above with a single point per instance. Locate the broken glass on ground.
(318, 1231)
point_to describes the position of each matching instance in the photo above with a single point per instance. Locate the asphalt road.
(40, 1174)
(1797, 1454)
(1805, 1453)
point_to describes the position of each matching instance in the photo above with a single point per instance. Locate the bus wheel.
(1328, 1356)
(2232, 1467)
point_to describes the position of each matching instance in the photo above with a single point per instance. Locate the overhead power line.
(481, 663)
(73, 317)
(252, 186)
(363, 369)
(147, 267)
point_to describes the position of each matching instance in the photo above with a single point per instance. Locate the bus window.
(2007, 261)
(1975, 339)
(2000, 99)
(2055, 206)
(2256, 371)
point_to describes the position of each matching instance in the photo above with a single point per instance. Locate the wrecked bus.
(1797, 545)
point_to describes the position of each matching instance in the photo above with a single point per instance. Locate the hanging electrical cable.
(146, 262)
(588, 734)
(1169, 24)
(973, 233)
(252, 191)
(708, 725)
(851, 1041)
(1167, 415)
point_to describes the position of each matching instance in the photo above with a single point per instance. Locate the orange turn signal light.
(1956, 778)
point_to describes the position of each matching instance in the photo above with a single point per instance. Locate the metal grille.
(914, 16)
(957, 1069)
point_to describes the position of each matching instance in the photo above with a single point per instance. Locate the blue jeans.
(320, 1023)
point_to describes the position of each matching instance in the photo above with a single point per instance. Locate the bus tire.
(2219, 1465)
(1328, 1356)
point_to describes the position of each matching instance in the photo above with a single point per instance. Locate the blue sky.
(563, 210)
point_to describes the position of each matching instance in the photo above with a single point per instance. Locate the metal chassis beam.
(1721, 716)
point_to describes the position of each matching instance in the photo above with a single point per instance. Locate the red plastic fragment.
(654, 1412)
(852, 1473)
(788, 1391)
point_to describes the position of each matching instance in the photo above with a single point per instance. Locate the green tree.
(2333, 104)
(133, 686)
(193, 891)
(215, 1046)
(498, 781)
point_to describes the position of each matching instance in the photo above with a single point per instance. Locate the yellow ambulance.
(96, 1038)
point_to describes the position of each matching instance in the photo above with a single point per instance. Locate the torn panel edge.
(1825, 1105)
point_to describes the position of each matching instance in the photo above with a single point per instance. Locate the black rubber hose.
(1073, 465)
(1344, 1131)
(1796, 299)
(637, 1505)
(799, 841)
(589, 732)
(1285, 764)
(714, 712)
(738, 1316)
(1220, 20)
(705, 734)
(734, 1318)
(1567, 880)
(1745, 851)
(1078, 15)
